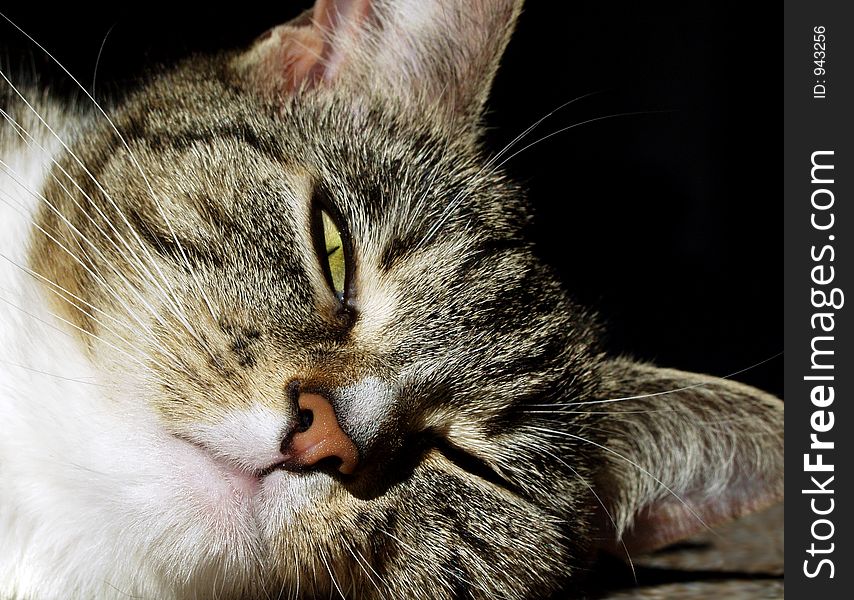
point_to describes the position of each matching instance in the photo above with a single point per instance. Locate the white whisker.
(54, 375)
(98, 58)
(452, 204)
(130, 344)
(664, 393)
(331, 575)
(88, 269)
(182, 319)
(144, 274)
(535, 124)
(133, 160)
(460, 196)
(80, 236)
(77, 259)
(602, 504)
(687, 506)
(579, 124)
(597, 412)
(439, 567)
(150, 275)
(61, 292)
(365, 566)
(70, 324)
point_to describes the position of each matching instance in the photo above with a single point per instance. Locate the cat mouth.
(248, 478)
(243, 480)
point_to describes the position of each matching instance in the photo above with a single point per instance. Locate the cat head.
(297, 262)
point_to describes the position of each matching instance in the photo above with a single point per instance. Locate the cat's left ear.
(440, 53)
(684, 451)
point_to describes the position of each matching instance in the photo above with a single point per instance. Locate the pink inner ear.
(335, 21)
(299, 57)
(310, 49)
(660, 525)
(666, 522)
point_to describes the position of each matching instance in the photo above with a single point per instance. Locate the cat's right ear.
(439, 53)
(682, 451)
(308, 50)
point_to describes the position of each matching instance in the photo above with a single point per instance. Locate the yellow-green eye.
(333, 247)
(331, 244)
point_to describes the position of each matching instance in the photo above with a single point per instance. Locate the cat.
(273, 326)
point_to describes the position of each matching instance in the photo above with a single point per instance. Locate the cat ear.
(440, 52)
(685, 451)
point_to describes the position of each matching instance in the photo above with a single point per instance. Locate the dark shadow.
(611, 575)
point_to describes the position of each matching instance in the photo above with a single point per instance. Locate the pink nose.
(320, 438)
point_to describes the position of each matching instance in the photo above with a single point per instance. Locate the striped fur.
(457, 363)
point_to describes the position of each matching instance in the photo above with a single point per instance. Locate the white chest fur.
(55, 487)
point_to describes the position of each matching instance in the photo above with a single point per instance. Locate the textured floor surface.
(741, 561)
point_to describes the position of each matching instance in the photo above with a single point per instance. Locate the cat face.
(447, 332)
(448, 362)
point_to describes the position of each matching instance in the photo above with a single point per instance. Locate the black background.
(668, 222)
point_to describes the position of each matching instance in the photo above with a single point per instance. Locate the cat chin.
(224, 492)
(218, 488)
(172, 521)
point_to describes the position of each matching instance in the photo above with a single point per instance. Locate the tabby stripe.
(166, 245)
(184, 139)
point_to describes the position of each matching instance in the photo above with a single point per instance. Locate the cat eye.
(331, 245)
(472, 464)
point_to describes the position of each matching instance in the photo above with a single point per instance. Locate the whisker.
(54, 375)
(293, 592)
(536, 124)
(69, 323)
(356, 560)
(86, 267)
(367, 568)
(77, 259)
(148, 274)
(436, 226)
(579, 124)
(489, 163)
(664, 393)
(594, 412)
(98, 58)
(133, 159)
(331, 575)
(86, 169)
(460, 196)
(439, 567)
(80, 235)
(123, 592)
(144, 274)
(61, 292)
(628, 460)
(602, 504)
(180, 316)
(131, 345)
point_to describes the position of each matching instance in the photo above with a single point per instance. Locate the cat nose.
(318, 437)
